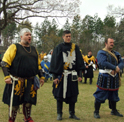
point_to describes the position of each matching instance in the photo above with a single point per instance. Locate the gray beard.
(26, 43)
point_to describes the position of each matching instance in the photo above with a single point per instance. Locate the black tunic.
(89, 70)
(24, 65)
(57, 68)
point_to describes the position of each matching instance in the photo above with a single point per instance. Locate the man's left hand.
(41, 82)
(79, 79)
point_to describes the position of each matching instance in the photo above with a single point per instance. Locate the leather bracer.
(80, 73)
(5, 68)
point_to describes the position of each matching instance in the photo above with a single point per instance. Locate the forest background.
(88, 33)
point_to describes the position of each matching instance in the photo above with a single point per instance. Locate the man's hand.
(41, 82)
(79, 79)
(117, 69)
(87, 66)
(56, 81)
(8, 81)
(113, 72)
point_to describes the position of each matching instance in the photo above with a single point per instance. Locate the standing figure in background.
(49, 55)
(66, 66)
(20, 65)
(45, 64)
(83, 59)
(89, 60)
(42, 54)
(109, 63)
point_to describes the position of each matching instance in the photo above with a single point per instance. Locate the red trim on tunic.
(107, 89)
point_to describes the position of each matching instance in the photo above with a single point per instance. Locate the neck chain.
(26, 50)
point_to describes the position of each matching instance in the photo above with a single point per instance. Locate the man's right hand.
(117, 69)
(56, 81)
(8, 81)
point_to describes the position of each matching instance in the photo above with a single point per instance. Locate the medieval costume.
(88, 73)
(66, 64)
(45, 64)
(22, 64)
(107, 84)
(41, 56)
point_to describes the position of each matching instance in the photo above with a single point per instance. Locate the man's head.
(45, 58)
(25, 35)
(109, 43)
(67, 36)
(89, 52)
(51, 51)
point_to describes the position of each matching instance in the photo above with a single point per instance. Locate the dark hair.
(66, 32)
(106, 40)
(89, 51)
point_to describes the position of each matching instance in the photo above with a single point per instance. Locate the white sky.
(90, 7)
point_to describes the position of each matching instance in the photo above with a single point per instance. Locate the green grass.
(45, 110)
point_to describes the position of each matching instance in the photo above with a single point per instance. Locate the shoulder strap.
(112, 54)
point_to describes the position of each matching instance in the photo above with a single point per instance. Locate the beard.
(27, 43)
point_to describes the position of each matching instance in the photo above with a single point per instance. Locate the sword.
(11, 100)
(46, 73)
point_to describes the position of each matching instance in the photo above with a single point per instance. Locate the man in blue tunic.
(45, 64)
(110, 63)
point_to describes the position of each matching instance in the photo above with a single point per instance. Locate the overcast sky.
(90, 7)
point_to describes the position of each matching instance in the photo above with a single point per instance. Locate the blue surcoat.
(46, 66)
(106, 61)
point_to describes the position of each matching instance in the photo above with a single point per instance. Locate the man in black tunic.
(20, 66)
(66, 65)
(89, 61)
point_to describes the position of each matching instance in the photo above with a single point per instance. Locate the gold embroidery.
(25, 82)
(86, 59)
(59, 81)
(66, 65)
(17, 88)
(72, 48)
(33, 92)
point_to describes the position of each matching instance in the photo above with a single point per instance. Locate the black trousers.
(60, 106)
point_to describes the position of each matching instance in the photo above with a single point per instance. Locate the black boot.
(114, 110)
(85, 80)
(72, 111)
(59, 110)
(90, 80)
(97, 107)
(109, 102)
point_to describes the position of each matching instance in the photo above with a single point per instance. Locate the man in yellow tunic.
(20, 66)
(89, 60)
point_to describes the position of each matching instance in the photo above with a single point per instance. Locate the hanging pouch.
(36, 83)
(74, 76)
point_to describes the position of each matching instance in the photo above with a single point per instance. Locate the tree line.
(88, 33)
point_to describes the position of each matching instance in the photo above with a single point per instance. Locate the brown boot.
(27, 112)
(12, 118)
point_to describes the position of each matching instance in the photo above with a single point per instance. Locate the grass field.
(45, 110)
